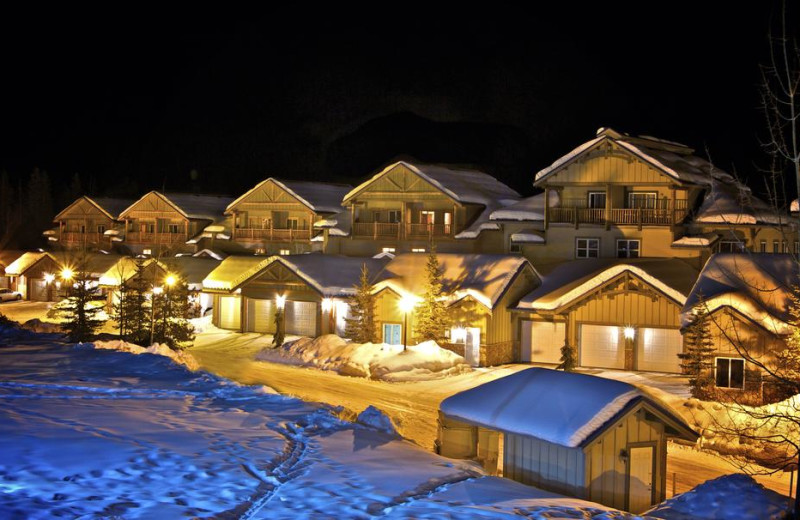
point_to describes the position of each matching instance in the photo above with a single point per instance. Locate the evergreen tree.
(80, 315)
(136, 308)
(698, 359)
(9, 210)
(170, 325)
(360, 326)
(569, 358)
(432, 316)
(280, 333)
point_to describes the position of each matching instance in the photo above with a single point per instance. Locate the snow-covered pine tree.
(360, 326)
(172, 310)
(80, 315)
(698, 359)
(136, 307)
(569, 358)
(432, 319)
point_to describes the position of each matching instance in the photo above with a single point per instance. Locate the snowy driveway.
(100, 433)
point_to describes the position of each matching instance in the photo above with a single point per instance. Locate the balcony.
(270, 233)
(76, 237)
(396, 230)
(137, 237)
(574, 211)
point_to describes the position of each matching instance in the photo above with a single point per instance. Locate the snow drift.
(178, 356)
(372, 360)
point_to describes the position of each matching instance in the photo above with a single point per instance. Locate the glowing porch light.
(280, 301)
(629, 332)
(327, 304)
(170, 280)
(49, 278)
(67, 273)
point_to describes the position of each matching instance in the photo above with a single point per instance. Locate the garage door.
(542, 341)
(230, 312)
(261, 316)
(602, 346)
(658, 349)
(301, 318)
(38, 290)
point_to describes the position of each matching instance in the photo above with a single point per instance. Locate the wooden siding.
(153, 206)
(611, 165)
(543, 464)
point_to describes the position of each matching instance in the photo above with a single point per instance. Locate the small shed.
(575, 434)
(28, 274)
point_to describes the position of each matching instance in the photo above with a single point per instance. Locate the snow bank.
(731, 496)
(375, 418)
(203, 324)
(178, 356)
(373, 360)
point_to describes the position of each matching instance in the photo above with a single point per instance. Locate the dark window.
(394, 215)
(730, 373)
(597, 199)
(628, 248)
(587, 247)
(731, 246)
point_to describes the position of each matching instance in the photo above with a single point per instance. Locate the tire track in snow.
(425, 490)
(288, 465)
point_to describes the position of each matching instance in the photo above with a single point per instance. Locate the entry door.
(640, 478)
(602, 346)
(472, 348)
(658, 349)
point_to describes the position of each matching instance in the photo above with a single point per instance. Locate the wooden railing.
(272, 234)
(376, 229)
(619, 216)
(429, 230)
(76, 237)
(137, 237)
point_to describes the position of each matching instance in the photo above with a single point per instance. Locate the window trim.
(638, 249)
(393, 324)
(632, 193)
(587, 248)
(730, 359)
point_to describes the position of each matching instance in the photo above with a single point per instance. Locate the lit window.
(284, 252)
(427, 217)
(731, 246)
(627, 248)
(730, 373)
(418, 250)
(587, 247)
(388, 250)
(147, 251)
(260, 251)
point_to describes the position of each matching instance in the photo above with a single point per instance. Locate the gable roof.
(527, 209)
(27, 260)
(564, 408)
(483, 277)
(319, 197)
(7, 256)
(110, 207)
(330, 275)
(733, 203)
(672, 159)
(758, 285)
(461, 185)
(191, 206)
(124, 269)
(567, 282)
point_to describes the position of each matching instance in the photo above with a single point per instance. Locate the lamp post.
(406, 305)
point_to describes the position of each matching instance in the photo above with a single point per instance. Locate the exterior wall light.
(629, 332)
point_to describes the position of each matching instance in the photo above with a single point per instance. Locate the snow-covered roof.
(729, 202)
(123, 269)
(99, 264)
(563, 408)
(483, 277)
(26, 261)
(110, 206)
(319, 197)
(673, 159)
(567, 282)
(7, 256)
(210, 253)
(704, 240)
(528, 236)
(758, 285)
(529, 208)
(206, 207)
(330, 275)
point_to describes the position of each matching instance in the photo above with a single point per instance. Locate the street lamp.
(406, 304)
(67, 274)
(170, 280)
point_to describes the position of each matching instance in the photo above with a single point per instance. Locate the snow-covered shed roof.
(528, 236)
(483, 277)
(732, 203)
(673, 159)
(98, 264)
(564, 408)
(319, 197)
(206, 207)
(330, 275)
(527, 209)
(703, 240)
(566, 282)
(27, 260)
(192, 269)
(124, 269)
(758, 285)
(110, 206)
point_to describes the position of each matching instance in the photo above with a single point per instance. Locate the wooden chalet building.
(88, 223)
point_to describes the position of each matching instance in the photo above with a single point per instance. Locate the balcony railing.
(665, 214)
(138, 237)
(429, 230)
(76, 237)
(397, 230)
(273, 233)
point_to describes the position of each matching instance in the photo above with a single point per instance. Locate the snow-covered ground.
(90, 432)
(372, 360)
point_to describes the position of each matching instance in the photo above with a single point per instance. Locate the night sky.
(212, 102)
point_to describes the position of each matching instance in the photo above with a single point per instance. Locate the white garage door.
(602, 346)
(301, 318)
(658, 349)
(542, 341)
(230, 313)
(261, 316)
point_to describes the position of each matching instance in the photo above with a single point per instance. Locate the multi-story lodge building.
(88, 223)
(279, 217)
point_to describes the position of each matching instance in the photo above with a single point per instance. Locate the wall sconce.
(629, 332)
(280, 301)
(327, 304)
